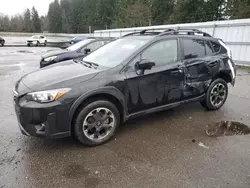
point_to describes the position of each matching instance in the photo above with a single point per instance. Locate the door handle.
(176, 72)
(212, 64)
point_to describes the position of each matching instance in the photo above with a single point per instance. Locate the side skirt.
(165, 107)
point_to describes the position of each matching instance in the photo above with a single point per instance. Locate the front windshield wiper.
(90, 63)
(86, 63)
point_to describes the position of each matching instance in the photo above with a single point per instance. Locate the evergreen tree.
(27, 21)
(55, 17)
(75, 16)
(238, 9)
(35, 20)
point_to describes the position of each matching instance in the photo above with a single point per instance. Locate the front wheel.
(37, 43)
(97, 123)
(45, 43)
(216, 95)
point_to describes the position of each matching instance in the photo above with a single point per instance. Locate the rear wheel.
(2, 43)
(45, 43)
(216, 95)
(37, 43)
(97, 123)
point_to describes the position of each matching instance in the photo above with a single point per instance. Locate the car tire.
(28, 45)
(45, 43)
(91, 133)
(216, 95)
(2, 43)
(37, 43)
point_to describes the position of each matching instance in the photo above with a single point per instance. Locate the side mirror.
(144, 65)
(87, 50)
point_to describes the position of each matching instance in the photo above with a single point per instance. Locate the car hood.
(54, 53)
(61, 75)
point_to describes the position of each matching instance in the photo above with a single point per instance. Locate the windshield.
(114, 53)
(79, 45)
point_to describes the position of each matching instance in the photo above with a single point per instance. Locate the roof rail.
(155, 29)
(152, 31)
(141, 33)
(193, 31)
(169, 31)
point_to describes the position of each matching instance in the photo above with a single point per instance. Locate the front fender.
(109, 90)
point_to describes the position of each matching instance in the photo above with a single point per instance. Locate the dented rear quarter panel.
(201, 72)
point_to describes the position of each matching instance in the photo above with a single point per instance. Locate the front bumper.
(49, 120)
(31, 42)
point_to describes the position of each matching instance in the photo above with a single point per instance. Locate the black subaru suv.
(140, 73)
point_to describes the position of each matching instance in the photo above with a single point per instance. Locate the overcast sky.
(11, 7)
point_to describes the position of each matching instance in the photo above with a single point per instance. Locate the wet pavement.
(174, 148)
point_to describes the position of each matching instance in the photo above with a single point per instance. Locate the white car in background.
(37, 40)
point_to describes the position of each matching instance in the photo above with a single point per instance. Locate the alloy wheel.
(218, 94)
(98, 124)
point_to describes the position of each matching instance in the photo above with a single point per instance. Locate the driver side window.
(161, 53)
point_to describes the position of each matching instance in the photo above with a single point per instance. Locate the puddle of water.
(227, 128)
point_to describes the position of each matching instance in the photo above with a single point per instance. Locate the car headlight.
(47, 96)
(50, 58)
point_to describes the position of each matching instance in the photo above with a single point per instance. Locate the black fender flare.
(109, 90)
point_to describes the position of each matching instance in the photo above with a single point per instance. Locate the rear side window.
(216, 47)
(209, 49)
(223, 50)
(193, 48)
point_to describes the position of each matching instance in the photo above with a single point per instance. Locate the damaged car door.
(196, 67)
(158, 85)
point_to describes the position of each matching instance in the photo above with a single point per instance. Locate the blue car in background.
(2, 41)
(77, 39)
(75, 51)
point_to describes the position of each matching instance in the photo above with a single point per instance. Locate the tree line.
(29, 21)
(77, 16)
